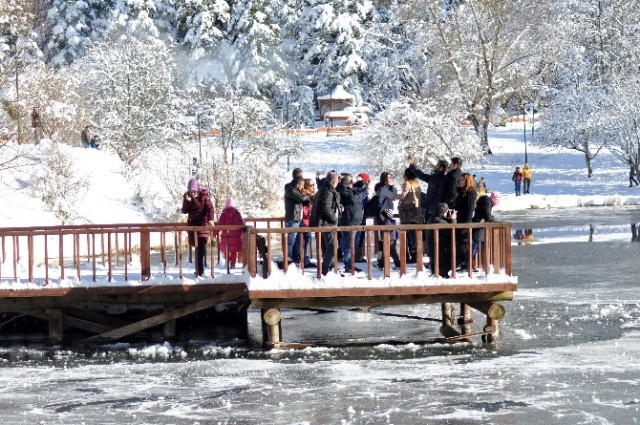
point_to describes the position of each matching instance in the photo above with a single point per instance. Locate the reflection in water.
(524, 236)
(594, 233)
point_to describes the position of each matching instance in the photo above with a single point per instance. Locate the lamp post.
(533, 119)
(199, 139)
(524, 122)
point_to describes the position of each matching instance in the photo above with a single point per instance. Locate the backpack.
(372, 208)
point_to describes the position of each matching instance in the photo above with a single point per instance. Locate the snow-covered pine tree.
(71, 27)
(201, 24)
(256, 65)
(329, 37)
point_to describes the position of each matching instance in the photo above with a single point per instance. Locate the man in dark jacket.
(453, 177)
(293, 202)
(325, 213)
(437, 185)
(352, 213)
(443, 215)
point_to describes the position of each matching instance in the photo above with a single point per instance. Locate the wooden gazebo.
(337, 100)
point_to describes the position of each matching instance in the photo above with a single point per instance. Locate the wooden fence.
(86, 252)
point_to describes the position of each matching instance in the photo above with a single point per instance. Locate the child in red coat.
(230, 240)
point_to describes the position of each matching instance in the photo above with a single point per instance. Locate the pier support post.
(465, 320)
(491, 330)
(447, 330)
(493, 310)
(56, 325)
(169, 328)
(272, 319)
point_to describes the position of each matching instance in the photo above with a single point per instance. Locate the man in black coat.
(437, 185)
(293, 202)
(325, 212)
(443, 215)
(453, 177)
(352, 213)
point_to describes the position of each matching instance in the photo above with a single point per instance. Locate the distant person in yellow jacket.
(526, 177)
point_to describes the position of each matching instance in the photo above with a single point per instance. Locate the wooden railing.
(493, 254)
(87, 252)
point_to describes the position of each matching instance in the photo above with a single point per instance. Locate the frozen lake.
(568, 353)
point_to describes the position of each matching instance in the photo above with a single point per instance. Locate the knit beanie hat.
(229, 203)
(495, 198)
(193, 185)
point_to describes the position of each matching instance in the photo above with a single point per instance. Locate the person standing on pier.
(197, 204)
(351, 199)
(325, 213)
(293, 203)
(443, 215)
(410, 210)
(437, 185)
(231, 240)
(453, 177)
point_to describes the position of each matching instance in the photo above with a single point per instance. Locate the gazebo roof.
(338, 93)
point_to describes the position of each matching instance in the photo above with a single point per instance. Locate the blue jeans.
(518, 185)
(293, 243)
(345, 247)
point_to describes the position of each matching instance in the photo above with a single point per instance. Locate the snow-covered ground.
(559, 178)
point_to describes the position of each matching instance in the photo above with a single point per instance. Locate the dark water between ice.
(569, 353)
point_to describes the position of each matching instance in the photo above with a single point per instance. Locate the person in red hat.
(362, 180)
(364, 177)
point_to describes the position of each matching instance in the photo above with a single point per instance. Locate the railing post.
(386, 252)
(403, 252)
(30, 259)
(145, 255)
(109, 257)
(46, 260)
(507, 248)
(419, 251)
(93, 239)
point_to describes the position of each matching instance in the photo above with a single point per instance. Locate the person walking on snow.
(231, 240)
(632, 175)
(197, 204)
(526, 178)
(517, 179)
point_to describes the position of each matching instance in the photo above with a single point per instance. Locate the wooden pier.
(88, 284)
